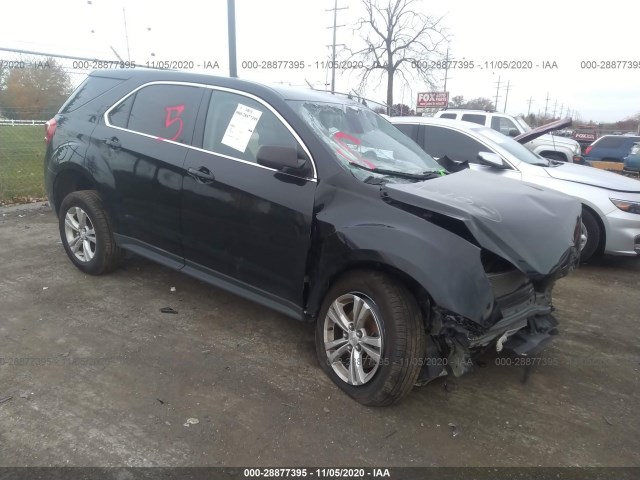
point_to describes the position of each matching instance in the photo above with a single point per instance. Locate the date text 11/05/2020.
(213, 64)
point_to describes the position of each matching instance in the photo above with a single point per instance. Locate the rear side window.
(475, 118)
(457, 146)
(164, 111)
(91, 88)
(609, 142)
(410, 131)
(448, 115)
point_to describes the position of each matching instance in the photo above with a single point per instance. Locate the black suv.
(317, 207)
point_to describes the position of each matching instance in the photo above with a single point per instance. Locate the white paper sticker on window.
(241, 127)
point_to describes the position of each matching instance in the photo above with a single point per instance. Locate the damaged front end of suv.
(446, 265)
(521, 254)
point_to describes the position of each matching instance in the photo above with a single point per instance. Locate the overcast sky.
(566, 32)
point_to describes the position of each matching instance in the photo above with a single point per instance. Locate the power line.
(333, 45)
(530, 102)
(546, 106)
(506, 95)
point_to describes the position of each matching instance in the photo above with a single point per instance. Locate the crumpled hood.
(594, 176)
(531, 227)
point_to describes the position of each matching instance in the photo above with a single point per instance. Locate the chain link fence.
(21, 161)
(22, 119)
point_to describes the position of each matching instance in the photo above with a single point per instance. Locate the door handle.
(112, 142)
(201, 174)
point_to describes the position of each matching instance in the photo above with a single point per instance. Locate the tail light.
(586, 152)
(49, 130)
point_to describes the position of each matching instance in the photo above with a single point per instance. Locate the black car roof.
(144, 75)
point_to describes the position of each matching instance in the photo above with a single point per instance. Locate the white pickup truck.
(547, 145)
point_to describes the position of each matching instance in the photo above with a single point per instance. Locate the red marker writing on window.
(173, 116)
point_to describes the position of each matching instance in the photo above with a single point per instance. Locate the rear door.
(138, 156)
(243, 223)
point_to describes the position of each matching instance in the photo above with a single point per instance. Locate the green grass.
(21, 162)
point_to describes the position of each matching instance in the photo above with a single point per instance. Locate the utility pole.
(497, 92)
(506, 96)
(446, 70)
(231, 22)
(126, 33)
(333, 45)
(546, 106)
(530, 102)
(555, 107)
(561, 110)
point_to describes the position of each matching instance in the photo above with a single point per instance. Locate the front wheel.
(86, 233)
(589, 235)
(370, 337)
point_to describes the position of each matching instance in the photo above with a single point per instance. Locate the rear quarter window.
(91, 88)
(475, 118)
(448, 115)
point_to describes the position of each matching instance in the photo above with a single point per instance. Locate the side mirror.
(513, 132)
(491, 159)
(283, 159)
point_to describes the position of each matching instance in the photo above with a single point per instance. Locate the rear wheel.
(589, 235)
(370, 338)
(86, 233)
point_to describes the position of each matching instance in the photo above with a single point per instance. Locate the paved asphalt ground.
(99, 377)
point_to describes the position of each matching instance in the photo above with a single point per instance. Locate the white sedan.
(610, 202)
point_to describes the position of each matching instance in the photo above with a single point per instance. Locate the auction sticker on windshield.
(241, 127)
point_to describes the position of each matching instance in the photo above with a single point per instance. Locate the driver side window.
(237, 126)
(503, 125)
(440, 141)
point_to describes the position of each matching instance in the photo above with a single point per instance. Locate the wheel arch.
(603, 231)
(421, 295)
(71, 179)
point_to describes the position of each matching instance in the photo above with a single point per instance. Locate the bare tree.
(480, 103)
(457, 102)
(398, 40)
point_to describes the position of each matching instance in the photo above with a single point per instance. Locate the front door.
(244, 224)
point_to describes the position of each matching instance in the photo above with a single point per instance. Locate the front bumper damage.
(522, 323)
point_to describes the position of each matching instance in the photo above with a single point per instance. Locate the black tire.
(593, 235)
(105, 254)
(401, 330)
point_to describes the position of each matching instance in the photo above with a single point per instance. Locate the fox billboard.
(432, 100)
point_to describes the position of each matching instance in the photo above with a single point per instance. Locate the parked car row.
(547, 145)
(315, 206)
(611, 148)
(610, 202)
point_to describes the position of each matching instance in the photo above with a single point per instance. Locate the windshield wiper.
(418, 176)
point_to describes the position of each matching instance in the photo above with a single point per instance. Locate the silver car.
(610, 202)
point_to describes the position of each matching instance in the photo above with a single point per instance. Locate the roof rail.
(488, 110)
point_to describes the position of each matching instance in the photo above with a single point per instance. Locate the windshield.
(523, 124)
(514, 148)
(365, 143)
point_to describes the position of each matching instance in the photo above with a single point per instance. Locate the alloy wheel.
(80, 234)
(353, 338)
